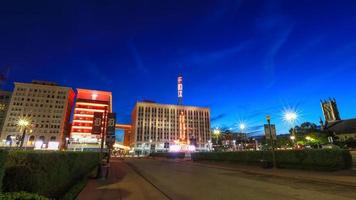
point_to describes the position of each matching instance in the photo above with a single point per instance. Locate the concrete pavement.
(343, 178)
(184, 180)
(181, 181)
(123, 183)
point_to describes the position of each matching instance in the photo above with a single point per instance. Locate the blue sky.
(243, 59)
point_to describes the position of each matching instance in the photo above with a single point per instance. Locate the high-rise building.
(5, 97)
(45, 105)
(89, 102)
(157, 126)
(330, 110)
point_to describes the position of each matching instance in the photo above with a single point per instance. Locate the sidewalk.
(344, 178)
(122, 183)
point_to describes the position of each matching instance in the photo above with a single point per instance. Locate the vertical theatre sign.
(110, 137)
(97, 123)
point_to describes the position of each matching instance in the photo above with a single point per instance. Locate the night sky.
(243, 59)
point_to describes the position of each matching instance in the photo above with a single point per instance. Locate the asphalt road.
(181, 181)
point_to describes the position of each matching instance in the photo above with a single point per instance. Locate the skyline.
(242, 59)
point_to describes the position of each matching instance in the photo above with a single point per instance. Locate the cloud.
(275, 27)
(137, 58)
(222, 10)
(269, 63)
(218, 117)
(208, 57)
(97, 72)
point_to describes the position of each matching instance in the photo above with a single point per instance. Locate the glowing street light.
(23, 124)
(309, 138)
(242, 126)
(216, 131)
(290, 116)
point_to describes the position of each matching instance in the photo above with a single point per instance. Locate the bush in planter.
(49, 174)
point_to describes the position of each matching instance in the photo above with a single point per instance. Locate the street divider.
(50, 174)
(311, 159)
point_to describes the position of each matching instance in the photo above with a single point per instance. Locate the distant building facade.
(87, 103)
(46, 105)
(330, 110)
(5, 97)
(155, 126)
(127, 128)
(343, 129)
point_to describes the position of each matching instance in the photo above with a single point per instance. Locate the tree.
(309, 134)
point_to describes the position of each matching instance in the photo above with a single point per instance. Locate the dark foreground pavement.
(123, 183)
(163, 179)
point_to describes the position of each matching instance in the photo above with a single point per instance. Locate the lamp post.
(67, 142)
(272, 143)
(217, 133)
(23, 124)
(242, 128)
(150, 146)
(291, 117)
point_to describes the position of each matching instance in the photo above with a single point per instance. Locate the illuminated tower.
(330, 110)
(180, 90)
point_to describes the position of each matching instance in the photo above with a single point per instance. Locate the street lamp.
(23, 124)
(291, 117)
(242, 128)
(268, 118)
(217, 133)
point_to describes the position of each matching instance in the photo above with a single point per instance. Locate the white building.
(46, 106)
(157, 126)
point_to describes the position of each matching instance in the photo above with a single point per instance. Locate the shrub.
(49, 174)
(21, 196)
(314, 159)
(3, 155)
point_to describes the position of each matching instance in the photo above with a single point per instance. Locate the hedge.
(21, 196)
(313, 159)
(3, 155)
(169, 155)
(50, 174)
(317, 159)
